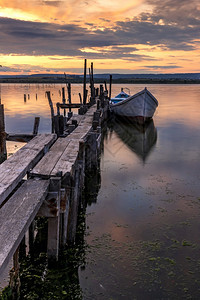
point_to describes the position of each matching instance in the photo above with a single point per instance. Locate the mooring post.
(92, 79)
(69, 92)
(84, 83)
(110, 88)
(105, 84)
(74, 204)
(54, 221)
(101, 97)
(31, 237)
(36, 125)
(80, 98)
(63, 99)
(52, 112)
(64, 210)
(14, 276)
(97, 92)
(63, 95)
(3, 152)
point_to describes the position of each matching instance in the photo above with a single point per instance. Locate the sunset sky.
(132, 36)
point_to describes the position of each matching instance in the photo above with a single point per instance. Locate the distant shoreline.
(99, 80)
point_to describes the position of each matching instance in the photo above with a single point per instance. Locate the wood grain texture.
(15, 168)
(17, 214)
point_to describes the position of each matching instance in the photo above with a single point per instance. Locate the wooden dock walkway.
(54, 169)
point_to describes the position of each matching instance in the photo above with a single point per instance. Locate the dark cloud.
(172, 25)
(162, 67)
(149, 33)
(180, 12)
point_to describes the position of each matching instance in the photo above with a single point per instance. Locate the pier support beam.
(53, 201)
(3, 152)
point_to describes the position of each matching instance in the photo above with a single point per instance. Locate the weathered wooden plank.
(17, 214)
(48, 162)
(15, 168)
(67, 159)
(68, 105)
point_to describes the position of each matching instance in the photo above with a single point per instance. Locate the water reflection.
(143, 226)
(139, 138)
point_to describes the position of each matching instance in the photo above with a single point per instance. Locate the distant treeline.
(99, 80)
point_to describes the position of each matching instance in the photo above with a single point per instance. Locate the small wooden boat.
(139, 107)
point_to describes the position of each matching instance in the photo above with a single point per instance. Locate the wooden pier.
(45, 178)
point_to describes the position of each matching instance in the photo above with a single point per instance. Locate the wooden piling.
(69, 94)
(52, 111)
(31, 237)
(54, 222)
(97, 92)
(63, 96)
(105, 84)
(80, 98)
(3, 152)
(36, 125)
(84, 83)
(110, 87)
(92, 79)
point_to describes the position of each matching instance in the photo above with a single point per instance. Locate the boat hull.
(139, 107)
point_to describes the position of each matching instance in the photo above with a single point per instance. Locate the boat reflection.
(140, 138)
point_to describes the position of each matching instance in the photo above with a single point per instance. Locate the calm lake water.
(143, 227)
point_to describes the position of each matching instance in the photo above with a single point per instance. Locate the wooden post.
(3, 152)
(63, 100)
(36, 125)
(98, 104)
(58, 108)
(101, 89)
(105, 84)
(80, 98)
(54, 224)
(31, 237)
(14, 276)
(97, 92)
(110, 89)
(63, 95)
(74, 204)
(52, 112)
(92, 76)
(101, 95)
(84, 83)
(69, 94)
(22, 249)
(86, 94)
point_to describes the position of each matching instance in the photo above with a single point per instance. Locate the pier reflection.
(140, 138)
